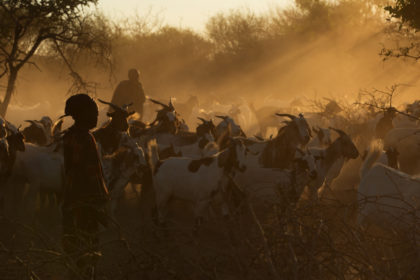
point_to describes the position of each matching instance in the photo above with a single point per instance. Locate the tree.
(407, 11)
(53, 27)
(404, 15)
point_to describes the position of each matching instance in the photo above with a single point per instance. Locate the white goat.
(235, 129)
(269, 185)
(196, 181)
(120, 167)
(42, 168)
(388, 198)
(331, 161)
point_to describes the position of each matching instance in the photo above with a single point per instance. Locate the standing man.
(130, 91)
(85, 194)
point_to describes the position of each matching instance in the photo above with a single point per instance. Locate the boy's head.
(83, 109)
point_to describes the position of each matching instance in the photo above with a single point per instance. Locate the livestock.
(388, 157)
(39, 132)
(109, 135)
(136, 128)
(278, 186)
(331, 161)
(280, 151)
(196, 181)
(322, 138)
(12, 143)
(204, 145)
(388, 198)
(39, 167)
(167, 119)
(183, 143)
(236, 130)
(42, 168)
(120, 167)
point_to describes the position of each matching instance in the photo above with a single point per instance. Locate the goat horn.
(159, 103)
(222, 117)
(171, 106)
(201, 119)
(31, 122)
(56, 129)
(127, 105)
(115, 107)
(286, 115)
(342, 133)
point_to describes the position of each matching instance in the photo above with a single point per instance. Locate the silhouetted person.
(130, 91)
(385, 123)
(85, 193)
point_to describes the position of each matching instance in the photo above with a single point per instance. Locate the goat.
(388, 198)
(13, 143)
(322, 139)
(39, 167)
(331, 161)
(38, 132)
(167, 119)
(280, 151)
(109, 135)
(196, 181)
(236, 130)
(387, 157)
(42, 168)
(205, 144)
(120, 167)
(270, 184)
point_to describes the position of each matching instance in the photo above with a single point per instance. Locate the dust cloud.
(242, 58)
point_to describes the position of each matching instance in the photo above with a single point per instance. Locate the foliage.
(405, 22)
(407, 11)
(30, 27)
(236, 44)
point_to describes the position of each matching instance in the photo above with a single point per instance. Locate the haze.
(256, 53)
(185, 13)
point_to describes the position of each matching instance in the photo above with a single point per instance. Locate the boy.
(85, 193)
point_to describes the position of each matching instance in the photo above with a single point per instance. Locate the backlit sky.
(184, 13)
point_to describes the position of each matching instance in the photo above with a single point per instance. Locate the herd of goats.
(219, 160)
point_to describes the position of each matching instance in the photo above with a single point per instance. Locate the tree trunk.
(9, 91)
